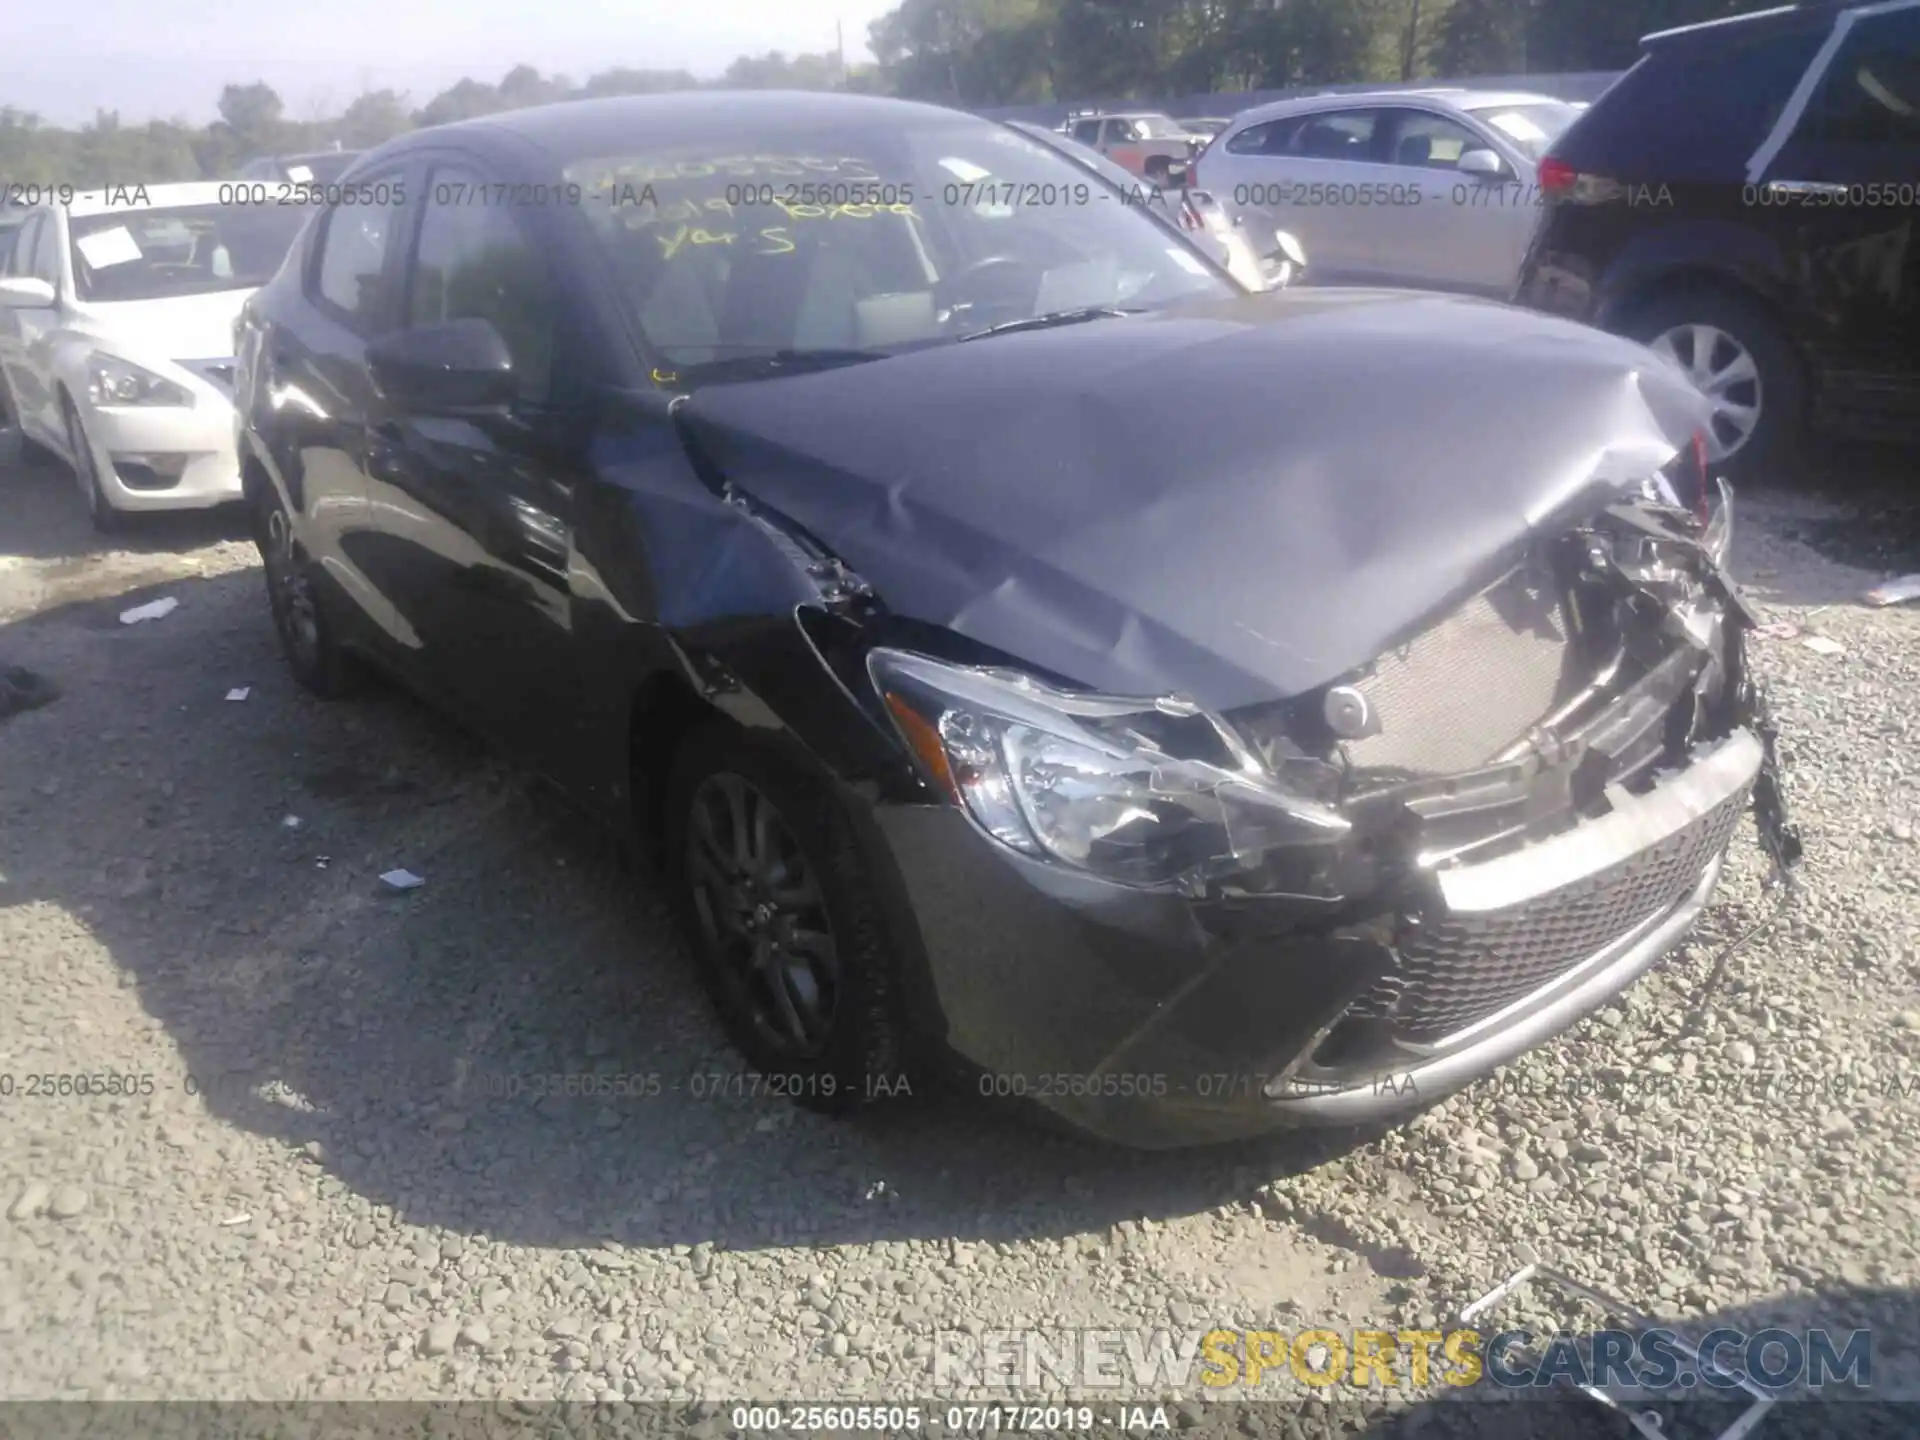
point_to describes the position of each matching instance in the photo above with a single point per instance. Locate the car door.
(1843, 196)
(476, 508)
(1246, 172)
(18, 257)
(31, 331)
(1328, 177)
(1444, 229)
(304, 375)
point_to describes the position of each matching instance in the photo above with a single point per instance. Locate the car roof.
(1452, 98)
(626, 124)
(1816, 10)
(146, 197)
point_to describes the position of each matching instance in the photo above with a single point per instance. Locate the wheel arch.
(663, 712)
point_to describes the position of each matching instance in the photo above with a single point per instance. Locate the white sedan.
(116, 336)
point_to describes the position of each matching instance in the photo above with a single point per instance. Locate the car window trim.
(355, 324)
(1816, 73)
(50, 226)
(21, 253)
(430, 163)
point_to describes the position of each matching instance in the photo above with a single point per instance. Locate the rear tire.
(32, 452)
(1740, 358)
(775, 891)
(307, 640)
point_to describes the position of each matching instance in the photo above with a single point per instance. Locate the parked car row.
(1298, 762)
(116, 338)
(1744, 200)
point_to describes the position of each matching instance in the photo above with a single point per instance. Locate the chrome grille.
(1458, 694)
(1456, 970)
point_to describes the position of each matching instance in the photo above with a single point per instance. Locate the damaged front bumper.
(1146, 1019)
(1466, 919)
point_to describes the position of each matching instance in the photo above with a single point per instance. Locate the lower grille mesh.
(1457, 970)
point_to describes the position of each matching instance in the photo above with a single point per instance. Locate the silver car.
(1434, 189)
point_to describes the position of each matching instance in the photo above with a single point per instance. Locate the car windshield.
(190, 250)
(858, 242)
(1160, 127)
(1531, 127)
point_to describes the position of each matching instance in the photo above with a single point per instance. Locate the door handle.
(1822, 188)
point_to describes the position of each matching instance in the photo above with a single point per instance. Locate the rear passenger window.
(1343, 135)
(1270, 138)
(1871, 92)
(1691, 112)
(353, 257)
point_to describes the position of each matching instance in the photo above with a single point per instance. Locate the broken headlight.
(1152, 793)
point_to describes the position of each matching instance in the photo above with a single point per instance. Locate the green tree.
(1483, 37)
(253, 117)
(372, 119)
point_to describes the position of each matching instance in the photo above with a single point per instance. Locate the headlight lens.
(113, 381)
(1152, 793)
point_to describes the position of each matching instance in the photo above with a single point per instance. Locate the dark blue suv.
(1746, 199)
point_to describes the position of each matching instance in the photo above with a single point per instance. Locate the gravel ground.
(321, 1188)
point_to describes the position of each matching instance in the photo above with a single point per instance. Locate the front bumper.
(198, 439)
(1157, 1021)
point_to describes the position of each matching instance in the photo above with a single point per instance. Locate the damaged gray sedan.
(796, 487)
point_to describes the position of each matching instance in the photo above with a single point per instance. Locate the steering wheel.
(994, 287)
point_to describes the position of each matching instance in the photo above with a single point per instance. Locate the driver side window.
(473, 261)
(1432, 142)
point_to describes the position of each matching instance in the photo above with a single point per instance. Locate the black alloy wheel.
(775, 894)
(317, 662)
(762, 916)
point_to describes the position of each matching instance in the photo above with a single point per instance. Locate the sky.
(149, 61)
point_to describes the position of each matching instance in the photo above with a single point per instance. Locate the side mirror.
(462, 365)
(23, 292)
(1483, 165)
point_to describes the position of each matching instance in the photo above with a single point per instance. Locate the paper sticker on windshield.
(108, 247)
(1189, 263)
(299, 174)
(964, 169)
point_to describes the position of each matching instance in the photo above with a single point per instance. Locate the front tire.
(775, 891)
(86, 475)
(1742, 362)
(306, 635)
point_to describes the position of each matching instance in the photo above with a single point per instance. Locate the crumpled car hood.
(1236, 502)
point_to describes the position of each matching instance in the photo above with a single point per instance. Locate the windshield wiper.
(1052, 318)
(766, 364)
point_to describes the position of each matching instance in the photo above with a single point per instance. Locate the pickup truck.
(1146, 143)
